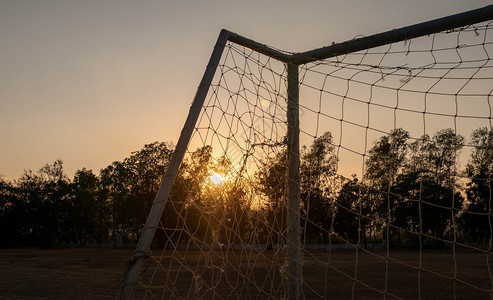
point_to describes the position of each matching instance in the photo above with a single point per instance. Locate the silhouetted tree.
(477, 222)
(354, 212)
(188, 197)
(13, 217)
(416, 180)
(89, 215)
(272, 179)
(131, 187)
(317, 170)
(45, 195)
(430, 177)
(385, 162)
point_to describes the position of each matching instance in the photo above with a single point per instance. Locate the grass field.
(96, 274)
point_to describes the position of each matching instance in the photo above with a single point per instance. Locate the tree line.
(411, 193)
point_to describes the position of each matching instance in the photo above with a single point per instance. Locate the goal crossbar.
(367, 42)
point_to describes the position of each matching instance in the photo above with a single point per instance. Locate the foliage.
(410, 190)
(477, 220)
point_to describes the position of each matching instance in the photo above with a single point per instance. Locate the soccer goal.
(358, 170)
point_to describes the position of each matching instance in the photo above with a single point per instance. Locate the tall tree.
(317, 170)
(477, 221)
(318, 165)
(354, 211)
(46, 195)
(386, 159)
(436, 173)
(89, 215)
(131, 186)
(272, 179)
(425, 189)
(385, 162)
(13, 218)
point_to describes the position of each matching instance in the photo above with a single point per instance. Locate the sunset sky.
(88, 82)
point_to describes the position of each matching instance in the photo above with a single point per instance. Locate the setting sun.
(216, 179)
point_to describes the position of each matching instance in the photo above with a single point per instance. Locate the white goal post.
(260, 196)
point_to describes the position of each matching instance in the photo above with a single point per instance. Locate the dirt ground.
(96, 274)
(61, 273)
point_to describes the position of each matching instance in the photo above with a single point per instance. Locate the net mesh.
(396, 169)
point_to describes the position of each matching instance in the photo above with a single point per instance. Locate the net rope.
(396, 167)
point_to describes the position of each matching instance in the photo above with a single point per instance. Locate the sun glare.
(216, 179)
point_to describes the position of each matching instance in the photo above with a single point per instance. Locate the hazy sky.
(91, 81)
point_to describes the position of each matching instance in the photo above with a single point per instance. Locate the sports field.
(61, 273)
(96, 274)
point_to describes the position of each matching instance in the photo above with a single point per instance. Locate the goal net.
(393, 176)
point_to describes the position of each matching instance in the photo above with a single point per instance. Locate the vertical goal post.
(292, 61)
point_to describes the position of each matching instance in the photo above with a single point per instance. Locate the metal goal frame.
(293, 61)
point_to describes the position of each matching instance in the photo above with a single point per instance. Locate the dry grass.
(61, 273)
